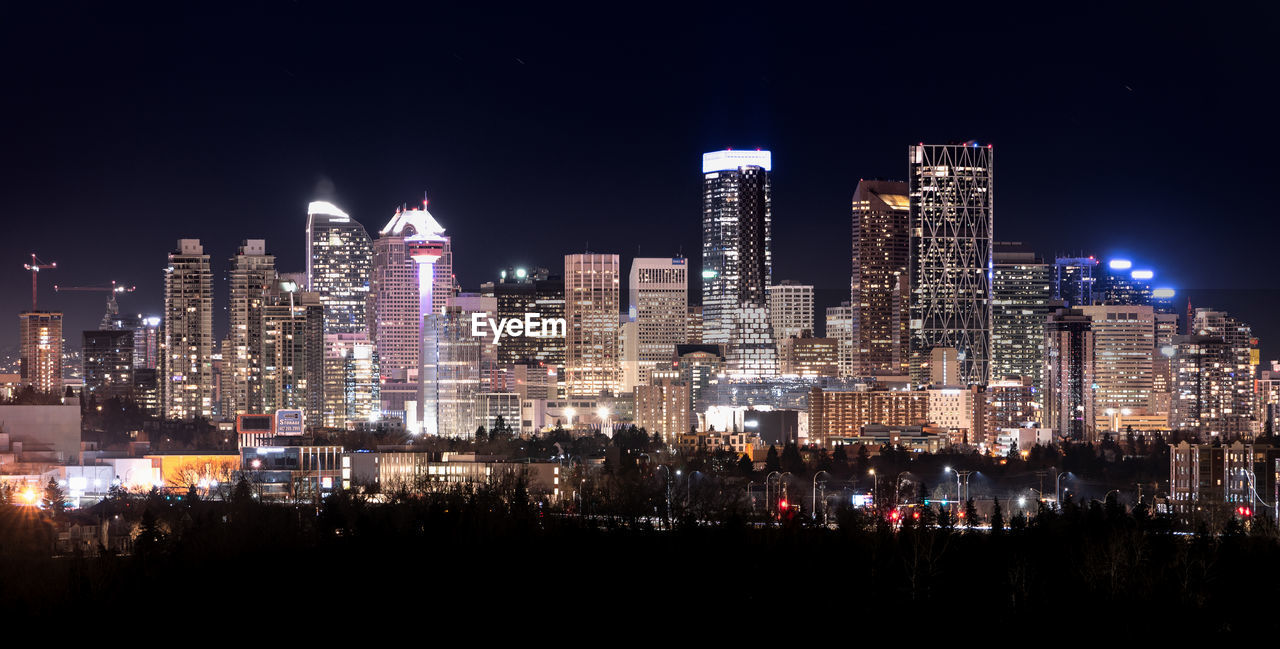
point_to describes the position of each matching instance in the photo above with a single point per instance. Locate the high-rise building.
(521, 291)
(351, 386)
(838, 414)
(1122, 284)
(252, 275)
(1207, 399)
(186, 381)
(592, 293)
(737, 262)
(694, 328)
(1123, 345)
(1162, 363)
(339, 263)
(40, 354)
(1073, 280)
(840, 327)
(108, 364)
(791, 310)
(699, 367)
(659, 292)
(1236, 392)
(293, 352)
(459, 363)
(1068, 375)
(1021, 290)
(880, 286)
(662, 407)
(951, 256)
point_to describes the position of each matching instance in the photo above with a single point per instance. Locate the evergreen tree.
(997, 518)
(970, 514)
(771, 463)
(745, 466)
(482, 436)
(55, 500)
(791, 460)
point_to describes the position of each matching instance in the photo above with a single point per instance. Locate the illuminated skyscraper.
(521, 291)
(737, 264)
(1068, 375)
(1022, 289)
(339, 263)
(951, 257)
(293, 352)
(659, 291)
(840, 327)
(108, 363)
(186, 380)
(1124, 342)
(1073, 280)
(351, 386)
(790, 311)
(252, 275)
(880, 286)
(40, 355)
(593, 364)
(1123, 285)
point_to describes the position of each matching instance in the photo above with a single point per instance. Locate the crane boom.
(35, 267)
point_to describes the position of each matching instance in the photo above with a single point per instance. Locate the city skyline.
(242, 144)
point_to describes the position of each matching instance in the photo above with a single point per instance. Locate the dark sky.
(1143, 131)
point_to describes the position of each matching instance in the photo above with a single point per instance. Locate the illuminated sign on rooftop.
(1120, 264)
(1142, 274)
(326, 208)
(730, 160)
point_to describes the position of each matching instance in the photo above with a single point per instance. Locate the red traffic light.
(915, 515)
(782, 504)
(1244, 511)
(961, 514)
(894, 515)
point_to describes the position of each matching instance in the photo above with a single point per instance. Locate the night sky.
(1146, 132)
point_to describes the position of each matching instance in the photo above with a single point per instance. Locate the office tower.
(1124, 340)
(944, 367)
(662, 407)
(339, 263)
(1073, 280)
(1122, 284)
(460, 358)
(1068, 375)
(146, 343)
(694, 327)
(40, 355)
(737, 265)
(108, 364)
(699, 367)
(790, 310)
(1207, 398)
(951, 225)
(840, 327)
(659, 292)
(186, 377)
(809, 357)
(519, 292)
(880, 284)
(146, 391)
(252, 275)
(1242, 360)
(592, 359)
(351, 386)
(395, 313)
(293, 352)
(1012, 403)
(1166, 326)
(1021, 292)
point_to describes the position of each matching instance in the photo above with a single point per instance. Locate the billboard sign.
(289, 422)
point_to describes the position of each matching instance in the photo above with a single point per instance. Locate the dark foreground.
(507, 569)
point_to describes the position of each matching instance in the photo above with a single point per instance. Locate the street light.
(813, 501)
(1057, 489)
(875, 487)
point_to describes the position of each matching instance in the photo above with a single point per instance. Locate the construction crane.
(35, 267)
(113, 308)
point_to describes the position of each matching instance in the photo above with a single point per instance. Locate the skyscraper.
(790, 310)
(108, 363)
(1068, 375)
(880, 286)
(186, 380)
(659, 292)
(951, 256)
(1124, 285)
(252, 274)
(522, 291)
(339, 263)
(1206, 389)
(351, 386)
(1022, 289)
(1124, 340)
(737, 262)
(40, 354)
(1073, 280)
(293, 352)
(840, 327)
(592, 359)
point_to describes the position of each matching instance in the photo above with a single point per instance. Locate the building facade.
(187, 376)
(880, 284)
(659, 292)
(593, 362)
(252, 275)
(40, 352)
(339, 264)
